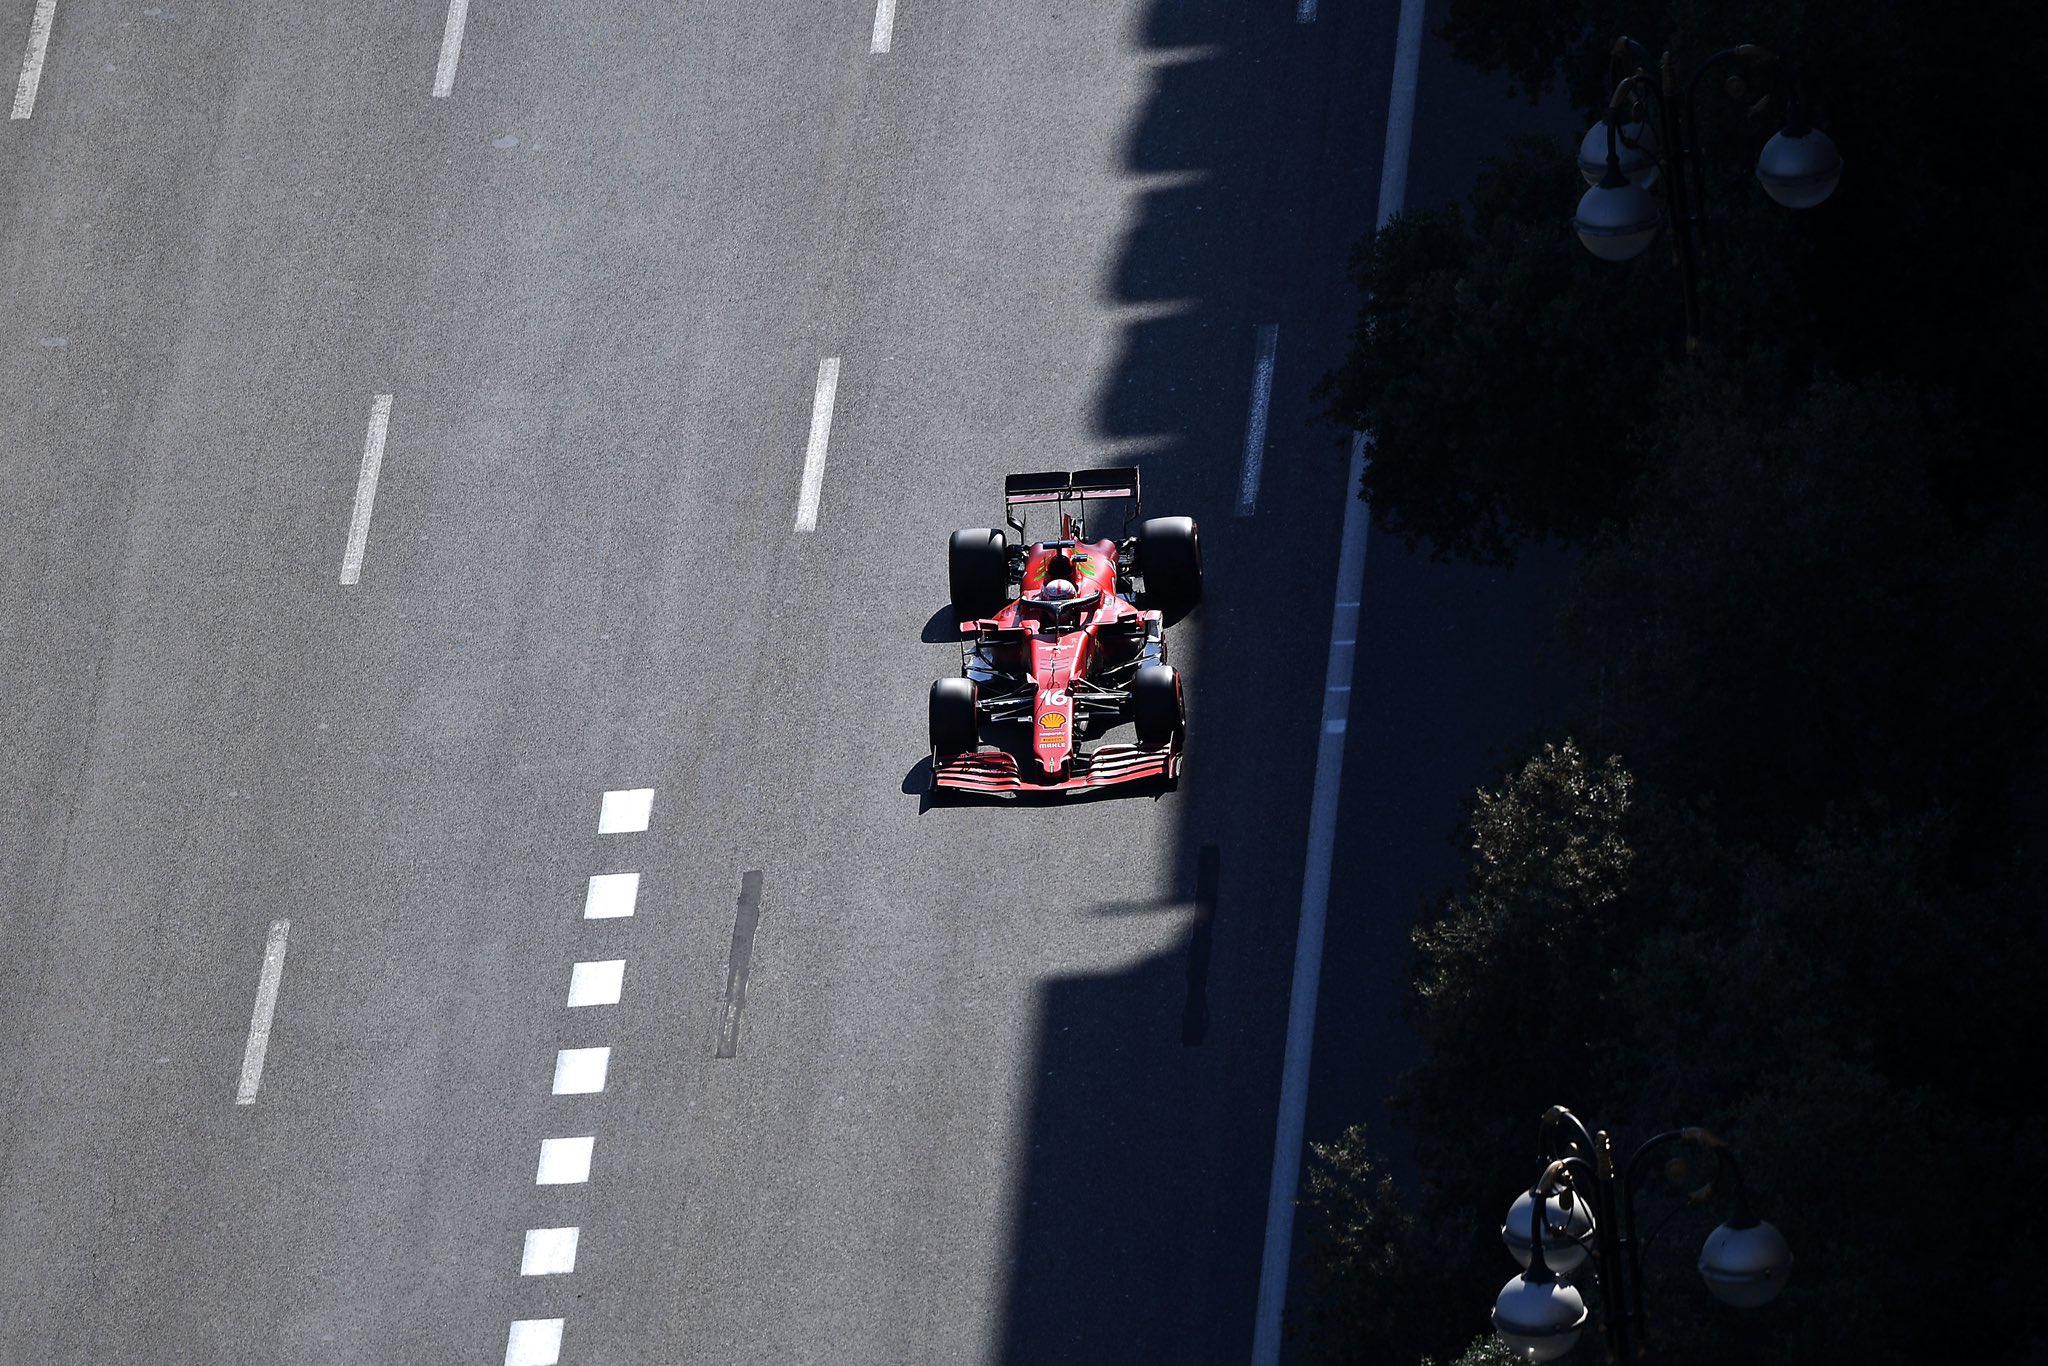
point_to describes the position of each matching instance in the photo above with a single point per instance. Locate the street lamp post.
(1650, 133)
(1579, 1209)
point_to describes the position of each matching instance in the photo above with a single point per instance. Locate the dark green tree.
(1500, 375)
(1795, 618)
(1811, 912)
(1369, 1265)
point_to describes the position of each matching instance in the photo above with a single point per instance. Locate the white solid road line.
(1268, 344)
(366, 489)
(259, 1018)
(1401, 111)
(549, 1251)
(32, 60)
(885, 23)
(451, 48)
(534, 1342)
(1290, 1123)
(1315, 905)
(814, 452)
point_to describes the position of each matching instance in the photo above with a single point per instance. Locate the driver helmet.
(1058, 590)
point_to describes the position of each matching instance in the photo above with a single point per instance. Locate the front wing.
(997, 773)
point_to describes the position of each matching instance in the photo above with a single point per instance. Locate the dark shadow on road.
(1142, 1201)
(1254, 159)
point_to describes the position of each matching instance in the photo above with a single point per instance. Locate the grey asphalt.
(971, 1117)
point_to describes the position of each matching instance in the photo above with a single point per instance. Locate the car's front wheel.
(1157, 705)
(955, 725)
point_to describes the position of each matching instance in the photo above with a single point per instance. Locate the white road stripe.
(885, 21)
(610, 896)
(1308, 943)
(32, 60)
(581, 1071)
(259, 1018)
(1305, 11)
(534, 1342)
(1401, 111)
(564, 1161)
(366, 489)
(549, 1251)
(1291, 1121)
(814, 453)
(451, 47)
(596, 983)
(1255, 420)
(625, 811)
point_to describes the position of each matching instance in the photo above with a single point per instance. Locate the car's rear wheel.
(1170, 560)
(954, 721)
(1157, 705)
(978, 571)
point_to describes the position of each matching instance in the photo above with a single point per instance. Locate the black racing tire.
(955, 719)
(978, 571)
(1157, 705)
(1170, 561)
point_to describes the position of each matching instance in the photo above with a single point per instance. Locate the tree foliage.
(1480, 439)
(1808, 904)
(1366, 1253)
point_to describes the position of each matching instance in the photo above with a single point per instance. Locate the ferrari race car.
(1062, 639)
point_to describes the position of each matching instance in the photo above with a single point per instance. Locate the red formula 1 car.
(1075, 651)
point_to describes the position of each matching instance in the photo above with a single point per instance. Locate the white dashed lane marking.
(822, 399)
(451, 52)
(32, 59)
(581, 1071)
(611, 896)
(596, 983)
(549, 1252)
(534, 1342)
(625, 811)
(564, 1161)
(885, 23)
(366, 489)
(259, 1018)
(1267, 345)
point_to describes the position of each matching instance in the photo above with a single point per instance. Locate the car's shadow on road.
(918, 783)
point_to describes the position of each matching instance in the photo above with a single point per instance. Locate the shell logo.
(1052, 720)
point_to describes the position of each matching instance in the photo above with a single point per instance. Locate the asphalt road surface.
(999, 1085)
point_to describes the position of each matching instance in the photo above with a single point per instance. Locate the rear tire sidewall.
(978, 572)
(1170, 561)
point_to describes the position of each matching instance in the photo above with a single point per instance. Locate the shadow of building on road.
(1254, 158)
(1141, 1205)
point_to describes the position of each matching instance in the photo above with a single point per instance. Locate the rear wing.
(1060, 487)
(1052, 486)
